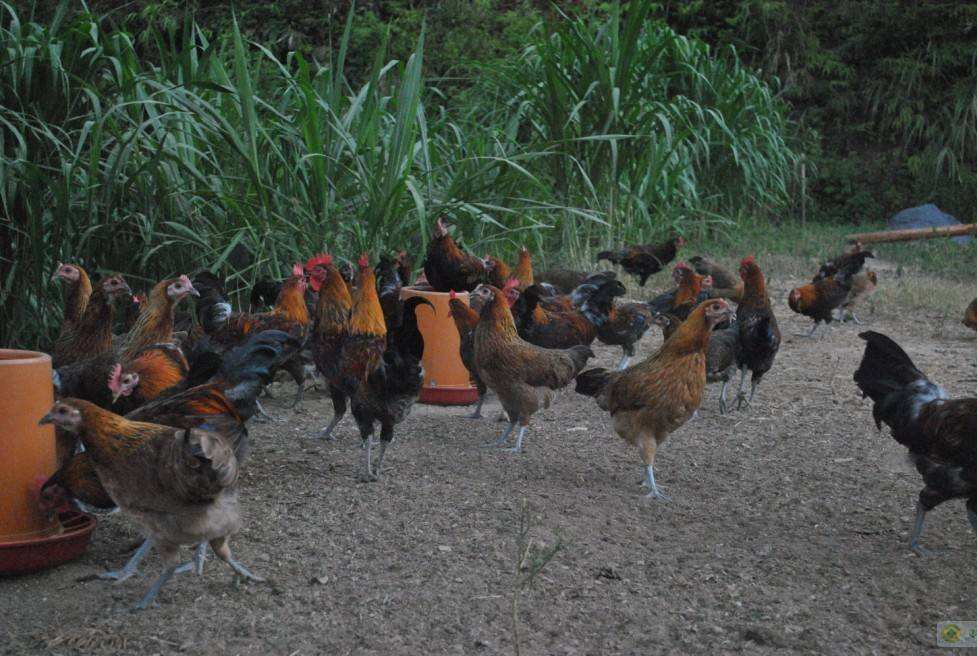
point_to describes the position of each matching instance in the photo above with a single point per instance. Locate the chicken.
(290, 315)
(156, 370)
(626, 324)
(389, 284)
(498, 272)
(644, 261)
(654, 398)
(447, 267)
(92, 336)
(524, 269)
(759, 334)
(241, 375)
(179, 484)
(821, 300)
(392, 387)
(680, 302)
(863, 285)
(555, 327)
(466, 318)
(155, 322)
(970, 315)
(132, 310)
(721, 359)
(330, 330)
(724, 284)
(513, 368)
(850, 261)
(938, 431)
(78, 289)
(564, 280)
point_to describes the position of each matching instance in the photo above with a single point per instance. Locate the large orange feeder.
(446, 379)
(27, 453)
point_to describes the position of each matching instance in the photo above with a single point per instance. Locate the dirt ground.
(787, 533)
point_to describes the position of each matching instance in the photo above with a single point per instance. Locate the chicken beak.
(193, 291)
(115, 397)
(46, 419)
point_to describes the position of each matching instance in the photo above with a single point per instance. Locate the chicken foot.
(478, 408)
(262, 415)
(503, 438)
(223, 551)
(625, 361)
(197, 564)
(131, 566)
(722, 398)
(740, 395)
(917, 531)
(649, 482)
(154, 589)
(518, 447)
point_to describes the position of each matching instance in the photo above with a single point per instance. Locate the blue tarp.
(925, 216)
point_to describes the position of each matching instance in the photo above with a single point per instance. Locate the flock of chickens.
(154, 403)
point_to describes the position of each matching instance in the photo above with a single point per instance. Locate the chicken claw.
(649, 482)
(502, 438)
(918, 530)
(132, 565)
(478, 409)
(154, 589)
(197, 564)
(518, 447)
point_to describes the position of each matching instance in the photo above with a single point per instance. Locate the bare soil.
(787, 533)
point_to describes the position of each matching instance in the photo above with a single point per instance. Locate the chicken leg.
(478, 408)
(223, 551)
(649, 482)
(518, 447)
(649, 445)
(386, 437)
(625, 361)
(264, 416)
(740, 395)
(503, 438)
(197, 564)
(917, 531)
(156, 587)
(722, 397)
(338, 412)
(368, 451)
(131, 566)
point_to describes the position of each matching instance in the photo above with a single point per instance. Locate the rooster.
(155, 322)
(938, 431)
(625, 326)
(447, 267)
(92, 335)
(821, 300)
(159, 370)
(330, 330)
(655, 397)
(850, 261)
(514, 368)
(970, 315)
(679, 303)
(759, 334)
(179, 484)
(644, 261)
(724, 284)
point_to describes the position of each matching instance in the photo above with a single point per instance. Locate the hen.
(850, 261)
(938, 431)
(78, 289)
(678, 304)
(759, 334)
(155, 322)
(563, 280)
(863, 285)
(644, 261)
(179, 484)
(558, 323)
(466, 318)
(724, 284)
(655, 397)
(524, 269)
(92, 335)
(513, 368)
(447, 267)
(498, 272)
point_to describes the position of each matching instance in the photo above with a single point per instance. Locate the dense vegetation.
(172, 147)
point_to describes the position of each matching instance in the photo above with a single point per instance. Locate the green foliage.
(223, 154)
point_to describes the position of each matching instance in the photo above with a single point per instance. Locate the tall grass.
(215, 153)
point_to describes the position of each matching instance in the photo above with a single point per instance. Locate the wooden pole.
(914, 234)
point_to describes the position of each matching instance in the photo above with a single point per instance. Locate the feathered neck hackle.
(155, 323)
(465, 317)
(108, 435)
(754, 285)
(334, 303)
(77, 295)
(496, 313)
(367, 314)
(290, 303)
(691, 336)
(524, 268)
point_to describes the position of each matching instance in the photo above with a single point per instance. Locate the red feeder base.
(448, 395)
(28, 556)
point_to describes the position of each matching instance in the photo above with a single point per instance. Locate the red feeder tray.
(36, 554)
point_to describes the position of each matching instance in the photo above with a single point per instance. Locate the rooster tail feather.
(888, 376)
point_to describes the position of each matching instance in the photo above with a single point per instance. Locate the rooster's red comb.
(322, 259)
(682, 265)
(364, 261)
(749, 259)
(511, 283)
(115, 378)
(297, 269)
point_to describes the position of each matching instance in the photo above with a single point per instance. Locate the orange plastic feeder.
(446, 380)
(27, 452)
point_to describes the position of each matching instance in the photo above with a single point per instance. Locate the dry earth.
(787, 533)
